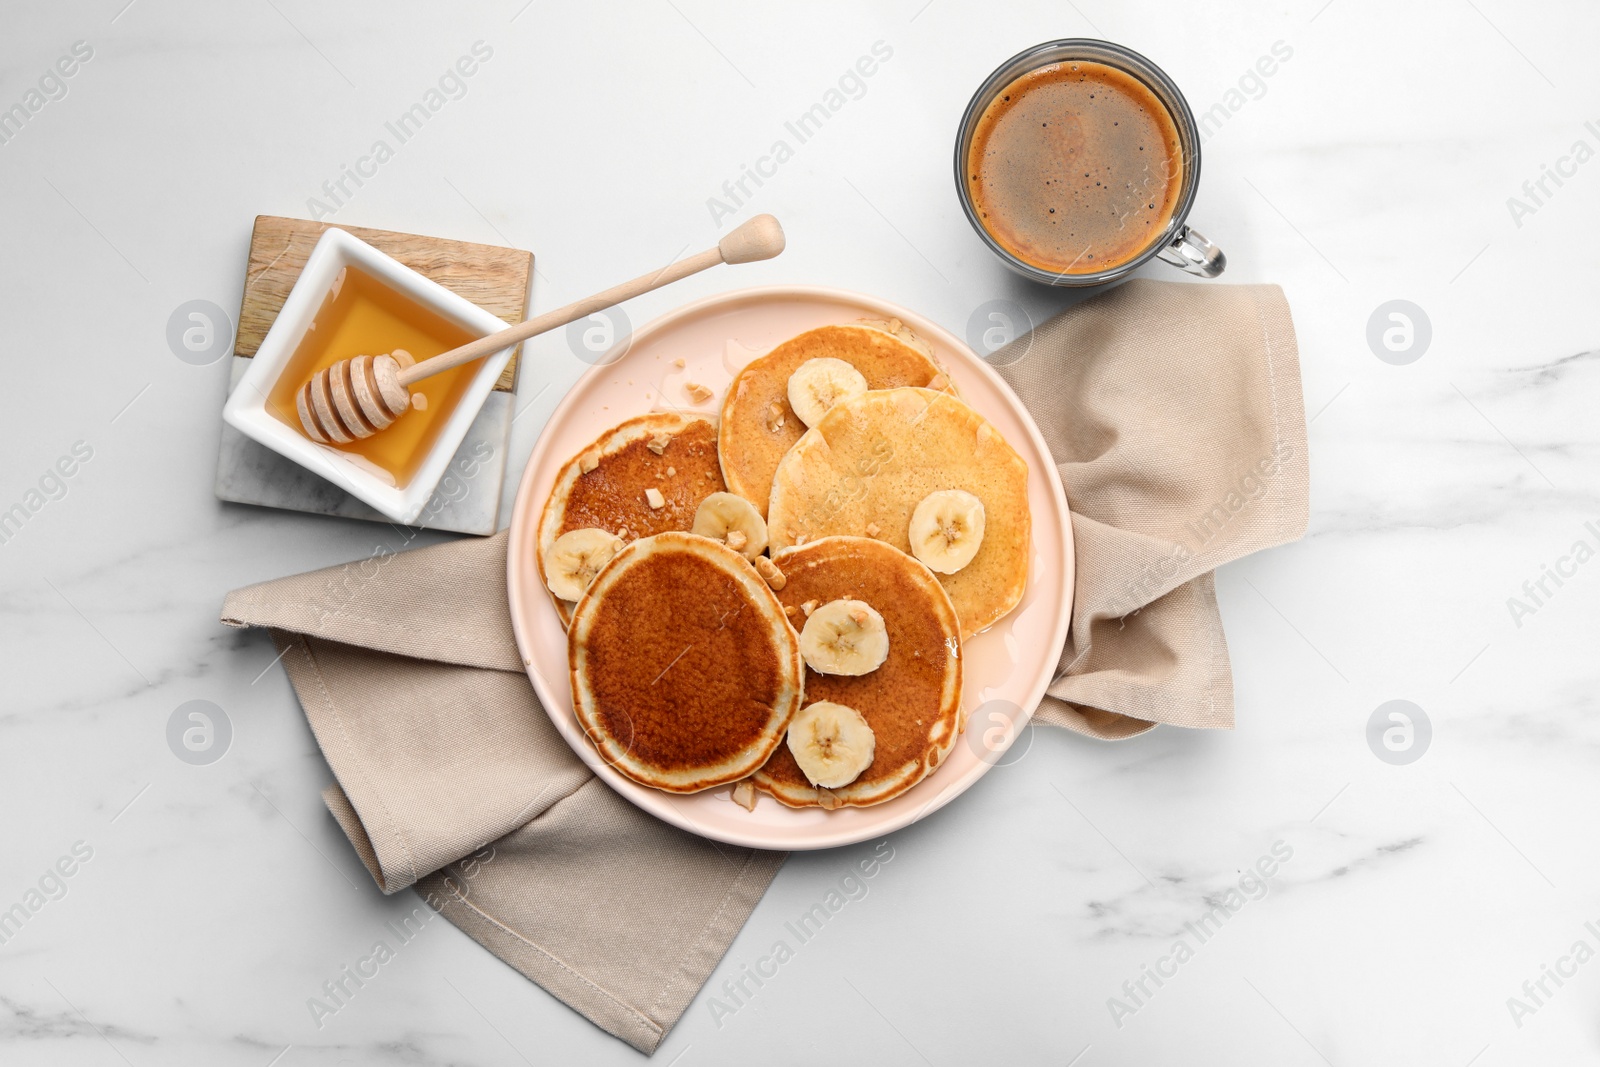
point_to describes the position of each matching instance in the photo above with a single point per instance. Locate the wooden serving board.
(494, 278)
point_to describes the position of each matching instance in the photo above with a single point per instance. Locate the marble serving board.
(468, 497)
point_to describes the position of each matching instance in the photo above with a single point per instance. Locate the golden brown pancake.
(685, 671)
(871, 460)
(758, 425)
(623, 464)
(911, 702)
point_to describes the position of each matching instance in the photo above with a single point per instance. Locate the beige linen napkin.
(449, 776)
(1174, 414)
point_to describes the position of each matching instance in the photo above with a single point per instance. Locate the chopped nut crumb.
(623, 533)
(769, 570)
(672, 472)
(697, 393)
(859, 617)
(658, 444)
(873, 529)
(419, 402)
(588, 462)
(737, 540)
(710, 474)
(940, 381)
(791, 611)
(826, 800)
(677, 363)
(744, 794)
(774, 418)
(808, 607)
(654, 498)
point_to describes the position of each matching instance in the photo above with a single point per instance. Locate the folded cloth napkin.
(449, 776)
(1174, 414)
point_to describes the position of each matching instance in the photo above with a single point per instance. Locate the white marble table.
(1374, 164)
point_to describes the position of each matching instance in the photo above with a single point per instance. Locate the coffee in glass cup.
(1077, 161)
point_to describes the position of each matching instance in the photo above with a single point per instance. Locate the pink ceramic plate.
(1006, 668)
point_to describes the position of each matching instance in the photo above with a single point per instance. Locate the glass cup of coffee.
(1077, 162)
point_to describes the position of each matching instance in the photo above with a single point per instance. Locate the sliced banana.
(575, 558)
(832, 743)
(946, 530)
(733, 520)
(818, 384)
(845, 637)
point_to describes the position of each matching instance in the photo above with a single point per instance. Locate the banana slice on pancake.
(576, 557)
(734, 521)
(845, 637)
(831, 743)
(820, 383)
(947, 529)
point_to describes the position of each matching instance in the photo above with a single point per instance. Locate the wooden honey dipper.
(356, 398)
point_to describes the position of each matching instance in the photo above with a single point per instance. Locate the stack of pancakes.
(685, 655)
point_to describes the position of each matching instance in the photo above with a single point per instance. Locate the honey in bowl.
(361, 315)
(1075, 167)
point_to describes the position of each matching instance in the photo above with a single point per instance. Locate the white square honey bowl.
(247, 409)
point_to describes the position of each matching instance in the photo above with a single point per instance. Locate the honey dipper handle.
(757, 239)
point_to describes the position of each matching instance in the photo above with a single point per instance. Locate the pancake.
(751, 439)
(911, 702)
(872, 459)
(624, 464)
(685, 671)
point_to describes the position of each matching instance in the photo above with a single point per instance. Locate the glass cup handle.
(1190, 251)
